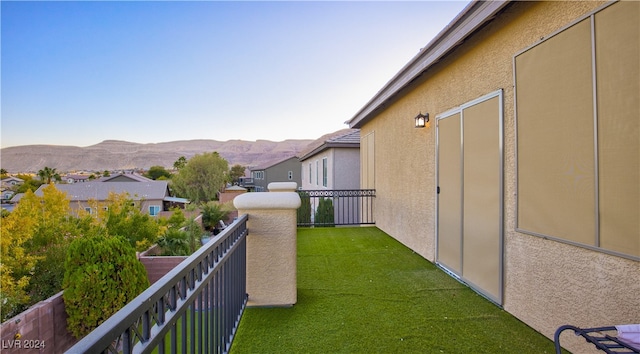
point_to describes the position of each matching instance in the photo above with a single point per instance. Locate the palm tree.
(48, 173)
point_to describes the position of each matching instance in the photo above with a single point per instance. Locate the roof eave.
(326, 146)
(474, 16)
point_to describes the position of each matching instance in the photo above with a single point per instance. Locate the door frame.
(499, 300)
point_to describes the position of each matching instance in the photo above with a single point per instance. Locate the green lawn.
(360, 291)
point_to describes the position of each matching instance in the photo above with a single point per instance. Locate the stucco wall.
(346, 168)
(144, 207)
(343, 169)
(280, 173)
(547, 283)
(316, 171)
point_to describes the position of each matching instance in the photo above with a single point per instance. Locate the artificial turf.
(360, 291)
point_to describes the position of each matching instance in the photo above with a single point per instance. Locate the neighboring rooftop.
(126, 177)
(348, 138)
(100, 190)
(271, 163)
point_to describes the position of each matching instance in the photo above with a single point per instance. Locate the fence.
(195, 308)
(336, 207)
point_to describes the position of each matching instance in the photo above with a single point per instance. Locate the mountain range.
(124, 155)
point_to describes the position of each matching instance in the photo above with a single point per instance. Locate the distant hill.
(118, 155)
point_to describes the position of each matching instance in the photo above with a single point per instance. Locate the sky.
(81, 72)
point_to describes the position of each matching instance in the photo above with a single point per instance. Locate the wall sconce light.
(421, 120)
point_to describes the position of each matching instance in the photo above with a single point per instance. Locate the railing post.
(271, 244)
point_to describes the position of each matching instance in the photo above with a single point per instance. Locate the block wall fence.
(46, 322)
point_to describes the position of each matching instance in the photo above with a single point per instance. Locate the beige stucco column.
(271, 244)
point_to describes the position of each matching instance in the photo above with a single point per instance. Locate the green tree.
(236, 172)
(303, 214)
(30, 184)
(194, 235)
(120, 215)
(102, 274)
(157, 172)
(3, 173)
(324, 213)
(180, 163)
(201, 178)
(16, 263)
(54, 230)
(177, 219)
(174, 243)
(212, 213)
(47, 174)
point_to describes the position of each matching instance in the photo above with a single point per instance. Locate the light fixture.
(421, 120)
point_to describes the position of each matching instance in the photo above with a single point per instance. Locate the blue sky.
(78, 73)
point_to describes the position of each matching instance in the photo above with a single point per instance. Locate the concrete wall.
(547, 283)
(158, 266)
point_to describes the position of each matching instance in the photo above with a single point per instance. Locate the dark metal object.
(595, 336)
(350, 206)
(198, 304)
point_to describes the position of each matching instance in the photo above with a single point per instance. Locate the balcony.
(361, 291)
(358, 290)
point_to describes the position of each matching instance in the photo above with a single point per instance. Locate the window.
(317, 172)
(88, 210)
(577, 133)
(324, 172)
(290, 175)
(310, 173)
(154, 210)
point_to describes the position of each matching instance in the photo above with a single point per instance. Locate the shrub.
(194, 235)
(174, 243)
(48, 274)
(102, 274)
(324, 213)
(304, 211)
(212, 213)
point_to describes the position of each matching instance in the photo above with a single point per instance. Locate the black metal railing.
(336, 207)
(195, 308)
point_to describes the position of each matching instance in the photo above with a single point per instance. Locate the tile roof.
(152, 190)
(130, 177)
(272, 163)
(345, 138)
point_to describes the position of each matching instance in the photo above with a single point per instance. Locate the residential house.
(11, 181)
(7, 187)
(125, 177)
(153, 196)
(284, 170)
(331, 167)
(246, 182)
(74, 178)
(332, 162)
(525, 181)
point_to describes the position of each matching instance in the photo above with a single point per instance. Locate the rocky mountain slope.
(117, 155)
